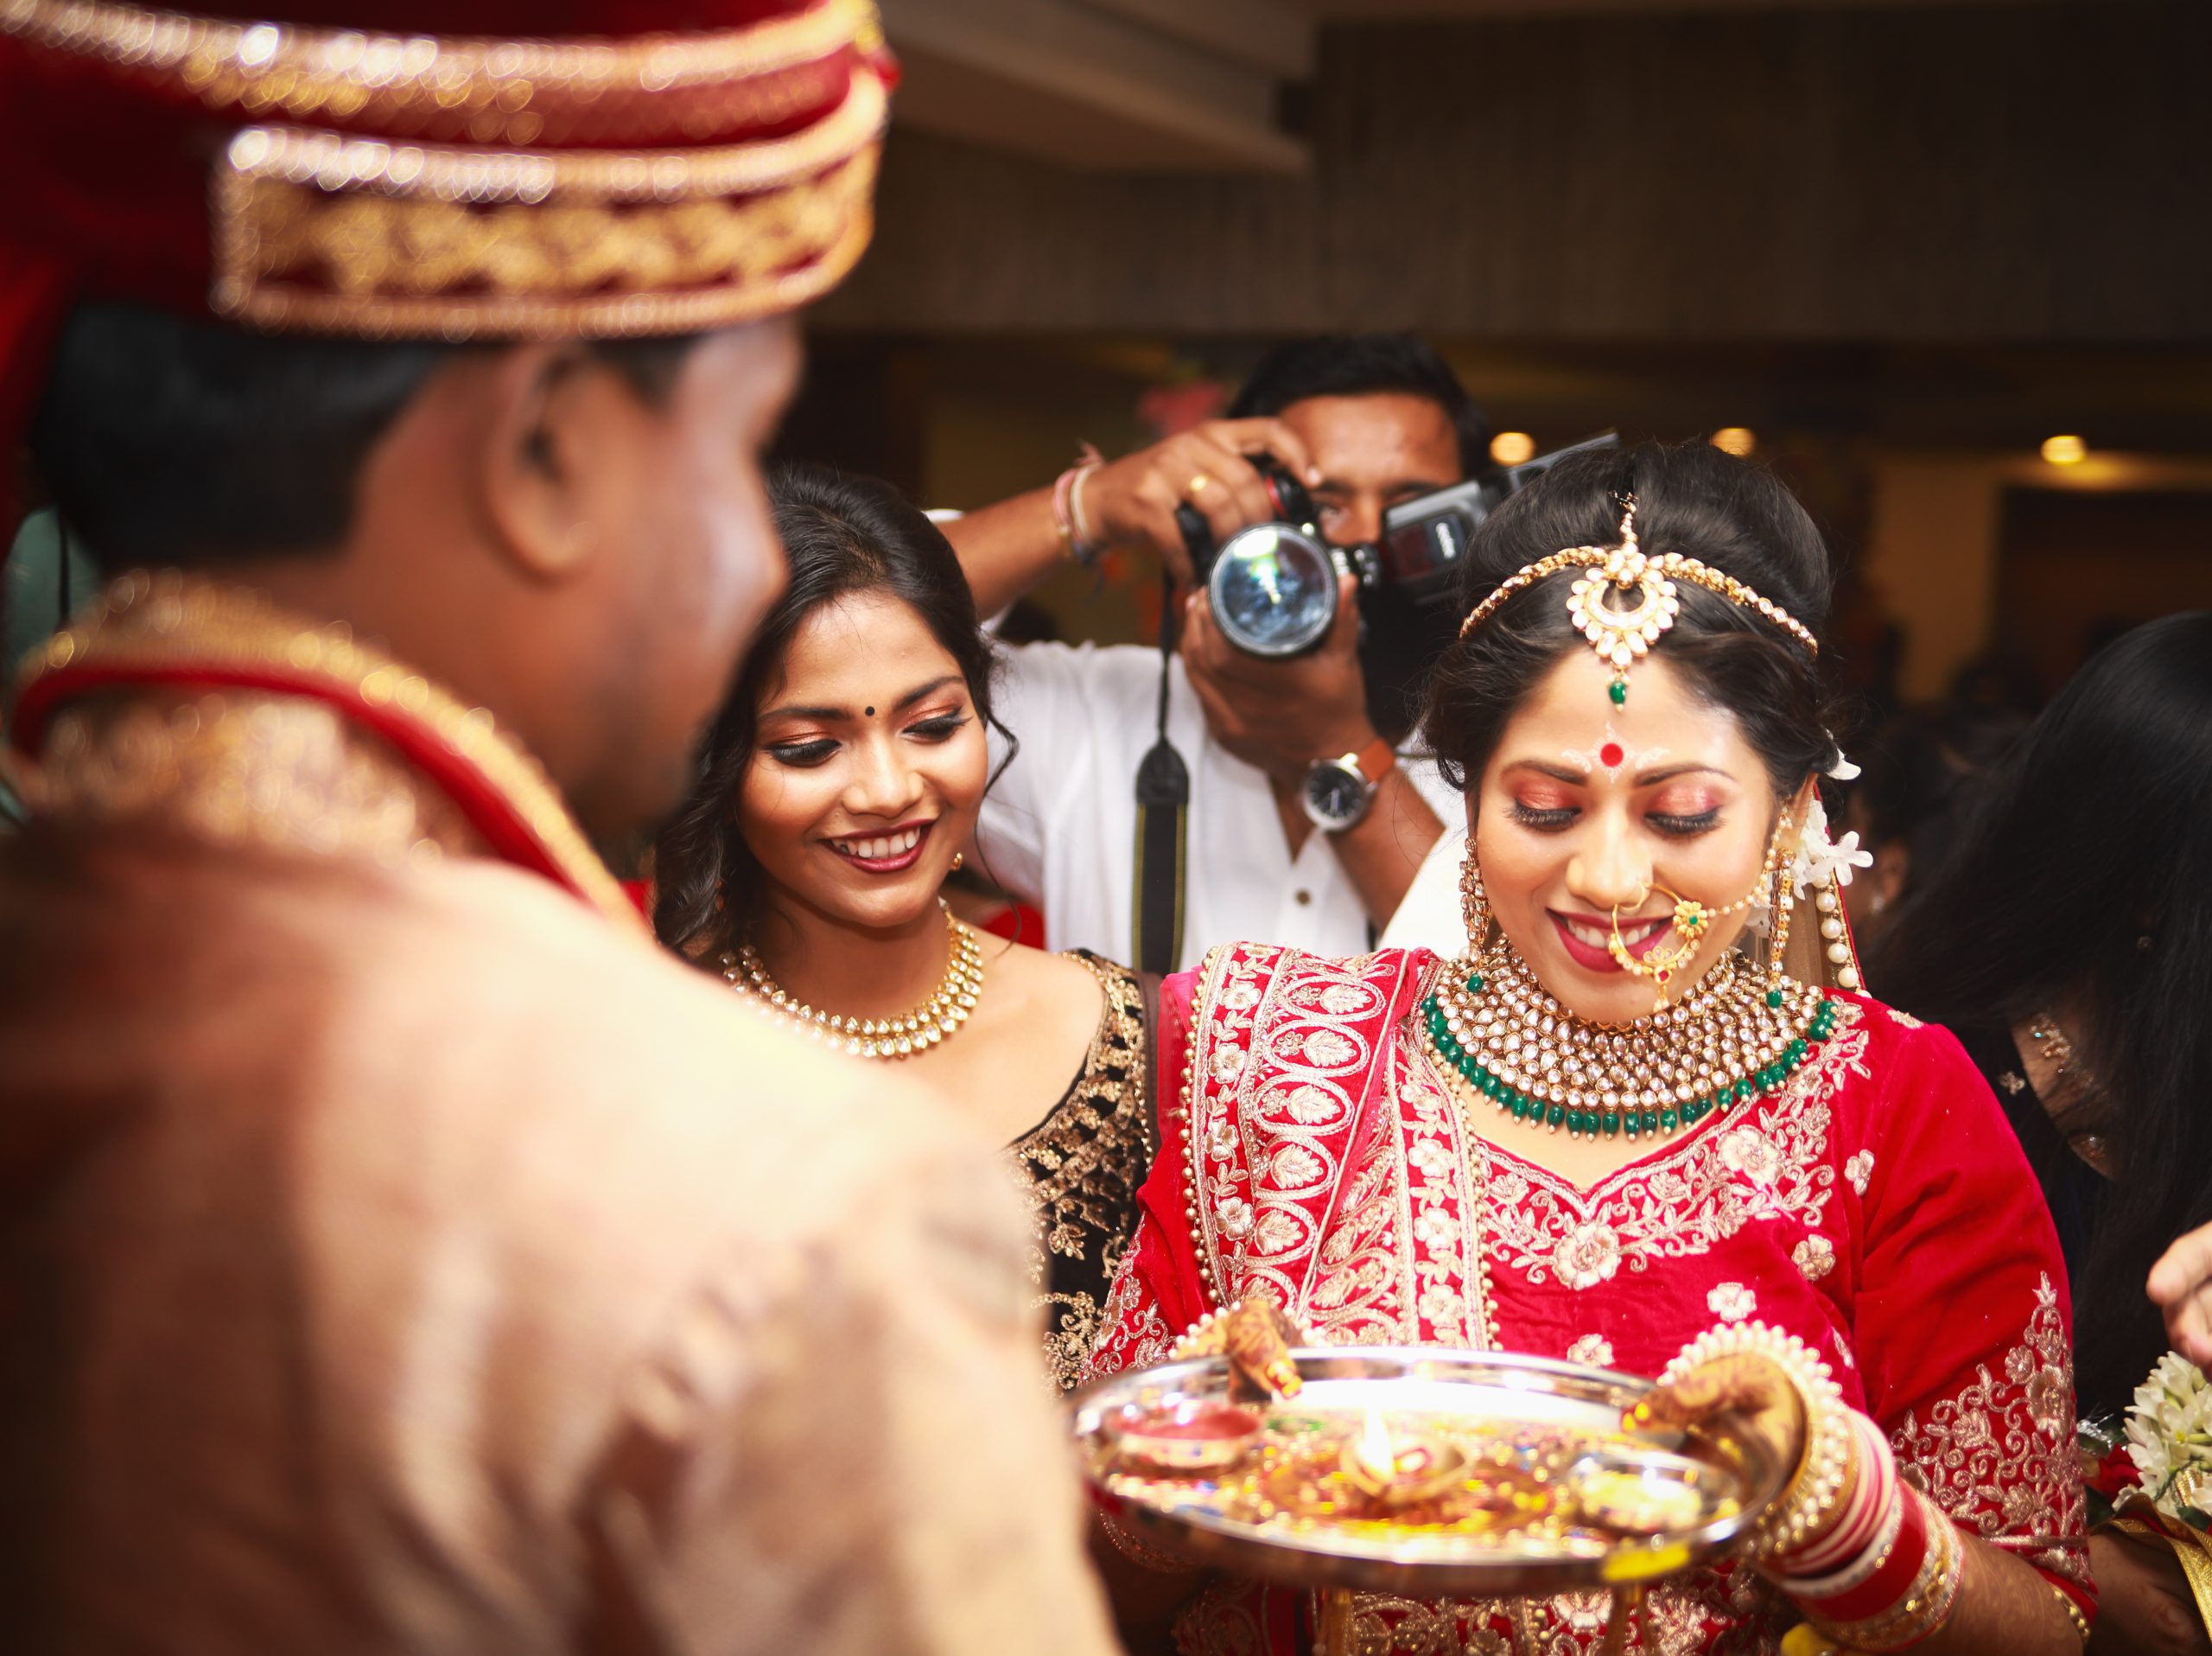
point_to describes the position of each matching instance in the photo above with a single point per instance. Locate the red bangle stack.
(1886, 1576)
(1868, 1522)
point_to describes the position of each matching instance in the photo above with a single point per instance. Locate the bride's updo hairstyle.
(1693, 500)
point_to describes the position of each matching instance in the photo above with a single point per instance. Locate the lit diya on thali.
(1429, 1472)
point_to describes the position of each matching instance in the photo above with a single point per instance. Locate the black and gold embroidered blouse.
(1082, 1165)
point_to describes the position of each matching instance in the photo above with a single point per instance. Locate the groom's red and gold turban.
(449, 169)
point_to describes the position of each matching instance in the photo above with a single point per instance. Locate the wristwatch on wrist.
(1336, 792)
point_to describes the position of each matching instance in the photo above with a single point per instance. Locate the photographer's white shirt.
(1058, 825)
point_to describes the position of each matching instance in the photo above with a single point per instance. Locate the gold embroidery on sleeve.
(1998, 1455)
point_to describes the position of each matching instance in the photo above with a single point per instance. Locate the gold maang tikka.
(1620, 630)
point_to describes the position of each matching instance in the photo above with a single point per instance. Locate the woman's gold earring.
(1781, 872)
(959, 859)
(1474, 901)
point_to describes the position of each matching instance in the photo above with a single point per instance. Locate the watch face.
(1336, 796)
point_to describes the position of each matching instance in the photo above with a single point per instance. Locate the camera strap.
(1163, 828)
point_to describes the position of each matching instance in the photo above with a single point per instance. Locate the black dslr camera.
(1272, 586)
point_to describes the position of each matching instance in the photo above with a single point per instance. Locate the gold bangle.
(1927, 1604)
(2073, 1611)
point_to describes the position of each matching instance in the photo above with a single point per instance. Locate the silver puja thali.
(1425, 1472)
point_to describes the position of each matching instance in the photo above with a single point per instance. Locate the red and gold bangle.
(1929, 1543)
(1876, 1579)
(2073, 1611)
(1870, 1509)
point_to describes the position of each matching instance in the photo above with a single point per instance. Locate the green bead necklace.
(1732, 1038)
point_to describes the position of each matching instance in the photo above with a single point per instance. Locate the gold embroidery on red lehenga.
(1768, 1161)
(1402, 1256)
(1733, 1610)
(1999, 1454)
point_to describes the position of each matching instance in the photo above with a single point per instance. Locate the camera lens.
(1274, 589)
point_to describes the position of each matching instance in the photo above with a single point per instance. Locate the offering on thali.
(1424, 1471)
(1187, 1437)
(1369, 1473)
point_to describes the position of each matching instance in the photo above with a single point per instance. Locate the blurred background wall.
(1895, 248)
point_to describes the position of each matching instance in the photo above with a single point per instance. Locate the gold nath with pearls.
(1737, 1034)
(1622, 631)
(890, 1038)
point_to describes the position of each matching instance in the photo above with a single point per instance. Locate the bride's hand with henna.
(1731, 1399)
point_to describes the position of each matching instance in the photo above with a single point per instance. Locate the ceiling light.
(1735, 439)
(1512, 448)
(2066, 451)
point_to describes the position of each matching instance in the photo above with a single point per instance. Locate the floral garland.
(2170, 1440)
(2151, 1474)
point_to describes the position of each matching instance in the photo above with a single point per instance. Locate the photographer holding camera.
(1272, 802)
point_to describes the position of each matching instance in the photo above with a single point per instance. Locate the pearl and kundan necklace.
(1737, 1035)
(891, 1038)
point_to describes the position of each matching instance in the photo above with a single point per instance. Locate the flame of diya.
(1401, 1469)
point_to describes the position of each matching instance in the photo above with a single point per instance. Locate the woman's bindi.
(1610, 756)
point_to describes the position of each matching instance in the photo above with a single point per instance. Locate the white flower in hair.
(1843, 770)
(1822, 862)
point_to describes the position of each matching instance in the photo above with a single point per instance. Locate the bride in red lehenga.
(1617, 1128)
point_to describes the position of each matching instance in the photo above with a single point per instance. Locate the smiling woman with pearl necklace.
(1644, 1122)
(836, 792)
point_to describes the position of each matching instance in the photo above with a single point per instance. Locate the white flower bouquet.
(2170, 1440)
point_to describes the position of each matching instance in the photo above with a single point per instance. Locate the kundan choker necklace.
(892, 1038)
(1735, 1035)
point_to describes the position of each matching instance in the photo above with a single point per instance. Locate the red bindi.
(1611, 755)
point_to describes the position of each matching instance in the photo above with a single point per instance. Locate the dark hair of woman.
(1690, 499)
(2084, 875)
(843, 536)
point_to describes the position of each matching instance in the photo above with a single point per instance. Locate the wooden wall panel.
(1953, 174)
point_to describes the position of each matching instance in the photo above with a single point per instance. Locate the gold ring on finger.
(1199, 485)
